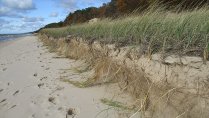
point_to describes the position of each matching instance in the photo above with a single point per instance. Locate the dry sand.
(30, 85)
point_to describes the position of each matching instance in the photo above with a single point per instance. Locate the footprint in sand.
(4, 69)
(3, 64)
(60, 109)
(16, 92)
(12, 107)
(43, 78)
(33, 102)
(1, 90)
(33, 116)
(3, 100)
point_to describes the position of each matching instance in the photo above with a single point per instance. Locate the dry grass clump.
(78, 50)
(161, 100)
(49, 42)
(71, 48)
(157, 100)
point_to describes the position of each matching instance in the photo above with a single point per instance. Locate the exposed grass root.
(117, 104)
(79, 84)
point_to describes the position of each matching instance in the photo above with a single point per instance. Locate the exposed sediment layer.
(171, 86)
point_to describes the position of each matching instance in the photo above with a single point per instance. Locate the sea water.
(6, 37)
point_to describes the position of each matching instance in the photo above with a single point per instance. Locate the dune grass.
(184, 33)
(116, 104)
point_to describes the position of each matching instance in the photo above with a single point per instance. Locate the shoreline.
(31, 85)
(5, 43)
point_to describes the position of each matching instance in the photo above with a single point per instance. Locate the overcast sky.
(19, 16)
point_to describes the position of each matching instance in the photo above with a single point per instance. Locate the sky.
(20, 16)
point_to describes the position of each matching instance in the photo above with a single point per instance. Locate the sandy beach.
(30, 85)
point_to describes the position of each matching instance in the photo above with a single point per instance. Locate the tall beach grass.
(184, 33)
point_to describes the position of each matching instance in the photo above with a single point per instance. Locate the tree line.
(117, 8)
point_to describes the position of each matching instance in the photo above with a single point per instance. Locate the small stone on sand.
(35, 75)
(71, 111)
(51, 99)
(40, 85)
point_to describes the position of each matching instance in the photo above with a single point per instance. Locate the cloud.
(19, 4)
(33, 19)
(67, 3)
(96, 3)
(3, 22)
(72, 5)
(53, 14)
(15, 8)
(8, 27)
(6, 12)
(4, 9)
(31, 26)
(21, 28)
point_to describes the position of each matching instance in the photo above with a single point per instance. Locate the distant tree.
(54, 25)
(119, 7)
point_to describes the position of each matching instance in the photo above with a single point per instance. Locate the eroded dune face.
(164, 87)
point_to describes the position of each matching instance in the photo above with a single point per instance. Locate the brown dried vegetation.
(153, 99)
